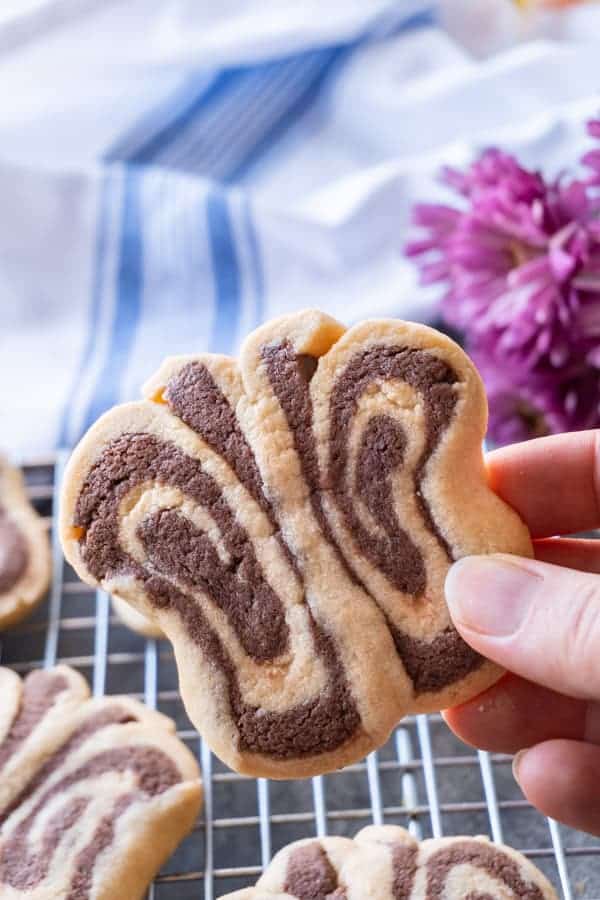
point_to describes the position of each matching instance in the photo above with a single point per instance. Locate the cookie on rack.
(25, 561)
(385, 863)
(95, 794)
(288, 520)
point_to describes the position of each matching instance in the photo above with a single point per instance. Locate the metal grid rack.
(424, 778)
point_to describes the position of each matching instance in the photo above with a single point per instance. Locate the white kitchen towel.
(173, 173)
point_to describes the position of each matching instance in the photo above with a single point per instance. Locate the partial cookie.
(386, 863)
(136, 621)
(25, 561)
(288, 521)
(95, 794)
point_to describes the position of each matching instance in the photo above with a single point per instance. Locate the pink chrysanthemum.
(520, 259)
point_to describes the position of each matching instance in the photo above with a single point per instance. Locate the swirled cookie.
(94, 794)
(386, 863)
(288, 521)
(24, 550)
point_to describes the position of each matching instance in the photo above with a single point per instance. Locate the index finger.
(552, 482)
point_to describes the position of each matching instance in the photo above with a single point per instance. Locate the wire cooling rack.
(423, 779)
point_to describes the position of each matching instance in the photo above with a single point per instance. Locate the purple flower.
(520, 261)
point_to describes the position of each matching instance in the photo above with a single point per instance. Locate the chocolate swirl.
(277, 516)
(381, 451)
(431, 665)
(182, 552)
(381, 454)
(483, 857)
(40, 692)
(196, 400)
(310, 875)
(14, 553)
(77, 769)
(181, 560)
(385, 862)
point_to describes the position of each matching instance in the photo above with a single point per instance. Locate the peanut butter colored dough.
(95, 794)
(25, 562)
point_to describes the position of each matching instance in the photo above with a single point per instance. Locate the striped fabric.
(169, 181)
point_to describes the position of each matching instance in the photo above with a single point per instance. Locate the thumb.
(535, 619)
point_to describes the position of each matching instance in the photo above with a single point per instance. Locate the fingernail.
(490, 594)
(517, 760)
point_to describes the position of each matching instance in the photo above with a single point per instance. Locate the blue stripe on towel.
(186, 131)
(300, 103)
(420, 19)
(200, 102)
(238, 140)
(328, 63)
(226, 273)
(208, 129)
(129, 301)
(190, 127)
(66, 433)
(154, 126)
(256, 262)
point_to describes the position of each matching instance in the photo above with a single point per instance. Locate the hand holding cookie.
(541, 620)
(288, 519)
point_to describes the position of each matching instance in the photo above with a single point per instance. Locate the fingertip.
(465, 579)
(489, 596)
(454, 720)
(485, 721)
(529, 476)
(453, 577)
(561, 778)
(513, 714)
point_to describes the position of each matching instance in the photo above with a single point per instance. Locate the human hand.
(540, 619)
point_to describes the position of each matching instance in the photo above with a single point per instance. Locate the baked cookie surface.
(94, 793)
(288, 520)
(134, 620)
(25, 562)
(386, 863)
